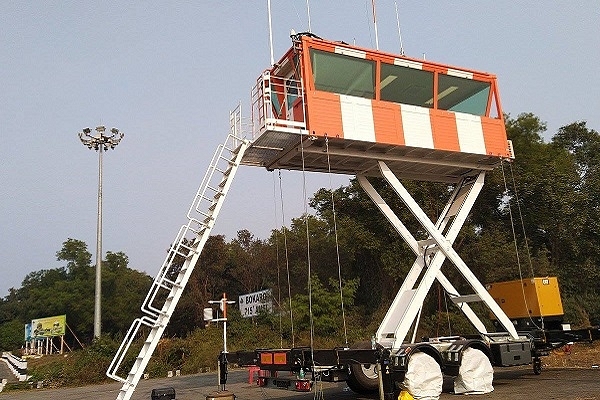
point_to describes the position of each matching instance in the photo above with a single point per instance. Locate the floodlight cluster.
(100, 141)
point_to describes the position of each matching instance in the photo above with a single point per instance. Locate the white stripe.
(460, 74)
(470, 133)
(350, 52)
(408, 63)
(416, 125)
(357, 118)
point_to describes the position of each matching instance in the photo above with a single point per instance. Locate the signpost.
(43, 330)
(49, 326)
(252, 304)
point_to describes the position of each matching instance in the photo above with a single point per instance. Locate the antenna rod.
(399, 34)
(308, 12)
(375, 25)
(270, 32)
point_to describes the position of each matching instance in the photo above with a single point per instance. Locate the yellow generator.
(532, 303)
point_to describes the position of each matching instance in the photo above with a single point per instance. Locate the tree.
(207, 282)
(583, 145)
(11, 335)
(115, 261)
(123, 290)
(251, 262)
(70, 290)
(324, 302)
(75, 253)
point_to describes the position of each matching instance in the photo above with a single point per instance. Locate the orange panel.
(298, 113)
(324, 114)
(279, 358)
(266, 358)
(443, 127)
(388, 123)
(494, 136)
(324, 117)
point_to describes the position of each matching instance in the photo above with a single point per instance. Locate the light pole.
(99, 142)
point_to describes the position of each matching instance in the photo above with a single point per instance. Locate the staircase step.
(207, 220)
(169, 282)
(219, 170)
(205, 214)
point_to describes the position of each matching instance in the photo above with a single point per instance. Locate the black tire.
(363, 379)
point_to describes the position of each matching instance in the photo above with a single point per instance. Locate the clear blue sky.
(167, 74)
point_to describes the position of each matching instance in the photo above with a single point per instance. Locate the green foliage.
(81, 367)
(123, 291)
(203, 346)
(325, 304)
(70, 290)
(582, 310)
(76, 254)
(11, 335)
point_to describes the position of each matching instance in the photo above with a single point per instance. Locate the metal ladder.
(168, 286)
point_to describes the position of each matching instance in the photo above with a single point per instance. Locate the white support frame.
(431, 254)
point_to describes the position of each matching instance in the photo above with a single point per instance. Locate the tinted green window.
(462, 95)
(343, 74)
(406, 85)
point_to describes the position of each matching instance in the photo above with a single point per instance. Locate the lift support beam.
(431, 254)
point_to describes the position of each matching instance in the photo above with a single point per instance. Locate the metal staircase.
(168, 286)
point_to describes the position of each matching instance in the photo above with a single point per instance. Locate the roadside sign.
(252, 304)
(49, 326)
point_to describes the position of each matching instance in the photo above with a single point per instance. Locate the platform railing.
(277, 103)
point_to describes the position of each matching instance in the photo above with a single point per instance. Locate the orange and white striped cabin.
(331, 106)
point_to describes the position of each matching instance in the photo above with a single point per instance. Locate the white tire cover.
(475, 374)
(423, 378)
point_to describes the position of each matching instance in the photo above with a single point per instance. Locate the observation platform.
(328, 106)
(281, 150)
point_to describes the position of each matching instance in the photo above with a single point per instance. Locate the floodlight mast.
(99, 142)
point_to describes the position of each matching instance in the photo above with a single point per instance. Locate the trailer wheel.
(475, 373)
(363, 378)
(423, 378)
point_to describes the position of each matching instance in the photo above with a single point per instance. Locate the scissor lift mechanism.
(430, 255)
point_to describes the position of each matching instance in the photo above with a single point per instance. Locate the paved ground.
(514, 383)
(5, 372)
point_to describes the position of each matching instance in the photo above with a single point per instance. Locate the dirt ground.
(579, 355)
